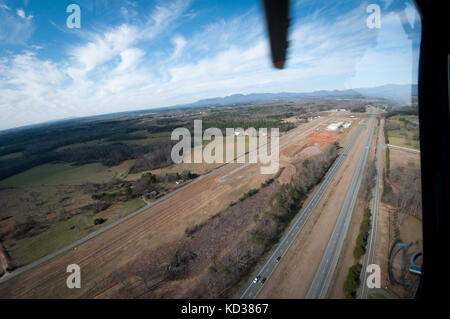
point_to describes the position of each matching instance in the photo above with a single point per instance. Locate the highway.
(325, 272)
(250, 290)
(363, 290)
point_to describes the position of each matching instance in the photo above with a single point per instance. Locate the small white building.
(334, 126)
(239, 131)
(251, 132)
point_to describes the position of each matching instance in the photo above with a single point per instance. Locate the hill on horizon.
(399, 93)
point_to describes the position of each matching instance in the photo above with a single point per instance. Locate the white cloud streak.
(21, 13)
(113, 72)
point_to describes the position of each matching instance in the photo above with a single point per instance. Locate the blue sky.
(131, 55)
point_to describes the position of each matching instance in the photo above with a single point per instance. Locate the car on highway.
(257, 278)
(278, 258)
(263, 281)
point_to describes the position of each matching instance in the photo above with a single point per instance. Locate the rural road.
(324, 273)
(403, 148)
(363, 290)
(108, 227)
(250, 290)
(286, 139)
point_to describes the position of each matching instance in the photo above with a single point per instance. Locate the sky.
(133, 55)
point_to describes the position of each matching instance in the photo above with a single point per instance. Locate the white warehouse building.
(334, 126)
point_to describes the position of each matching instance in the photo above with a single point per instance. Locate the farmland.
(50, 201)
(403, 130)
(55, 203)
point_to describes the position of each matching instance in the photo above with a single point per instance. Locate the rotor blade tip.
(279, 64)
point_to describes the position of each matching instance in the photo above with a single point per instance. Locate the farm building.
(334, 126)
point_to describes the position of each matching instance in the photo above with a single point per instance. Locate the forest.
(112, 139)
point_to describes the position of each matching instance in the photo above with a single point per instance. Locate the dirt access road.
(162, 223)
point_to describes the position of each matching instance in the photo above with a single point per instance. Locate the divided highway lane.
(324, 273)
(251, 289)
(362, 292)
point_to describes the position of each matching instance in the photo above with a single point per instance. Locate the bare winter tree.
(148, 271)
(122, 277)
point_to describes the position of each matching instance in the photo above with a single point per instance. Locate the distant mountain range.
(400, 94)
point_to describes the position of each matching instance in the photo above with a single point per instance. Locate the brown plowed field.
(163, 223)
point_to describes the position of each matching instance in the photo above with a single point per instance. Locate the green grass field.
(82, 144)
(11, 155)
(398, 140)
(50, 177)
(404, 136)
(50, 181)
(65, 174)
(376, 295)
(151, 138)
(63, 233)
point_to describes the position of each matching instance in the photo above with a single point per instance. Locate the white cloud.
(13, 28)
(124, 11)
(113, 72)
(104, 47)
(179, 43)
(129, 59)
(22, 14)
(4, 6)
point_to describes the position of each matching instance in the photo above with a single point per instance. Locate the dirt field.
(381, 251)
(394, 224)
(54, 199)
(4, 260)
(163, 223)
(294, 274)
(325, 137)
(220, 236)
(401, 158)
